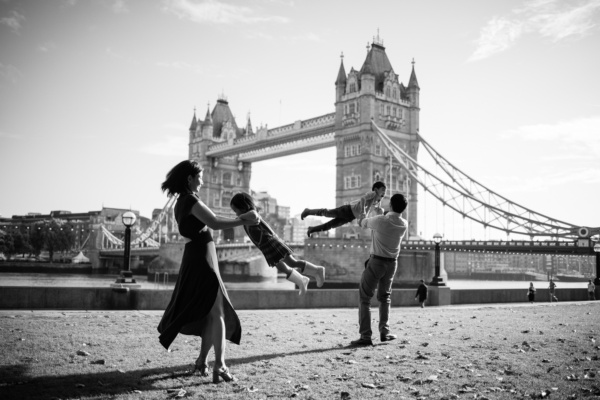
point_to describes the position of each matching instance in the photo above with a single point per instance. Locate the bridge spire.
(412, 82)
(194, 124)
(208, 117)
(341, 77)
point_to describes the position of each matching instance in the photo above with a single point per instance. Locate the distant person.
(348, 212)
(421, 296)
(277, 253)
(552, 291)
(386, 235)
(591, 290)
(531, 293)
(199, 304)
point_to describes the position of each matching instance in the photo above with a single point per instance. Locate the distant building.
(83, 224)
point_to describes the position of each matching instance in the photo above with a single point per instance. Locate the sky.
(97, 96)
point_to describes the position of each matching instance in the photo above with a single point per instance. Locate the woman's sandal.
(224, 374)
(202, 367)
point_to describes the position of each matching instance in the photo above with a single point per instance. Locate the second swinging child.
(277, 253)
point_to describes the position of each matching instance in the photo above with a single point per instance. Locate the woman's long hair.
(176, 182)
(243, 202)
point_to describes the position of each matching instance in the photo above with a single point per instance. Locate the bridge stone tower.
(374, 94)
(223, 176)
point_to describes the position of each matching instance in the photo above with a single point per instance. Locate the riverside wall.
(100, 298)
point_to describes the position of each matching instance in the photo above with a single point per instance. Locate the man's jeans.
(378, 274)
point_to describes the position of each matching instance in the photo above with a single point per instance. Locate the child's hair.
(176, 182)
(378, 185)
(243, 202)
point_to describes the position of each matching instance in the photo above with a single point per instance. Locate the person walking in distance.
(552, 291)
(591, 290)
(421, 296)
(348, 212)
(531, 293)
(386, 234)
(199, 304)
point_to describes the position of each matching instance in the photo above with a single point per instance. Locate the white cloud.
(10, 73)
(578, 131)
(46, 47)
(14, 22)
(497, 36)
(218, 12)
(119, 7)
(573, 154)
(553, 19)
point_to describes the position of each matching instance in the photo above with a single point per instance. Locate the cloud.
(119, 7)
(14, 22)
(553, 19)
(10, 73)
(575, 140)
(218, 12)
(497, 36)
(46, 47)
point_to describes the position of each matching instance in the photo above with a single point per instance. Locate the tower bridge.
(375, 130)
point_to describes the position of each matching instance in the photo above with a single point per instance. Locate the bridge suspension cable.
(145, 236)
(473, 200)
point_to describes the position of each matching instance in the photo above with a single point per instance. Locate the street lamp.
(437, 279)
(126, 277)
(597, 250)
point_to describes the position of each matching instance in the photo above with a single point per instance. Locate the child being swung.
(276, 252)
(349, 212)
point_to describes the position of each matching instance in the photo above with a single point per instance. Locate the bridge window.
(352, 181)
(377, 149)
(352, 150)
(226, 199)
(227, 178)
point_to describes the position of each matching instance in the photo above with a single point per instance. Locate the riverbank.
(494, 351)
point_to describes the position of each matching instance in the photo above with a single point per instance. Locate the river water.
(104, 280)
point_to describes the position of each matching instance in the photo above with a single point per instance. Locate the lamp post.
(437, 279)
(597, 251)
(126, 279)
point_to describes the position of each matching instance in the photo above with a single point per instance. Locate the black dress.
(198, 282)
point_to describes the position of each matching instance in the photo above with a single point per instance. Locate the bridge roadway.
(490, 246)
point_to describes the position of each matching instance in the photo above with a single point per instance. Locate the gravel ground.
(512, 351)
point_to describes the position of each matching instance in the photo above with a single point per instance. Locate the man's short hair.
(398, 202)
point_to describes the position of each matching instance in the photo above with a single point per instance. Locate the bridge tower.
(374, 93)
(223, 176)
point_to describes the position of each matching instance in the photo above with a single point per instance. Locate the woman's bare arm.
(206, 215)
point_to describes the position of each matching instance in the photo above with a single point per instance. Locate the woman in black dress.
(199, 305)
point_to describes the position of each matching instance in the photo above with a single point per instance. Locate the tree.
(53, 235)
(7, 245)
